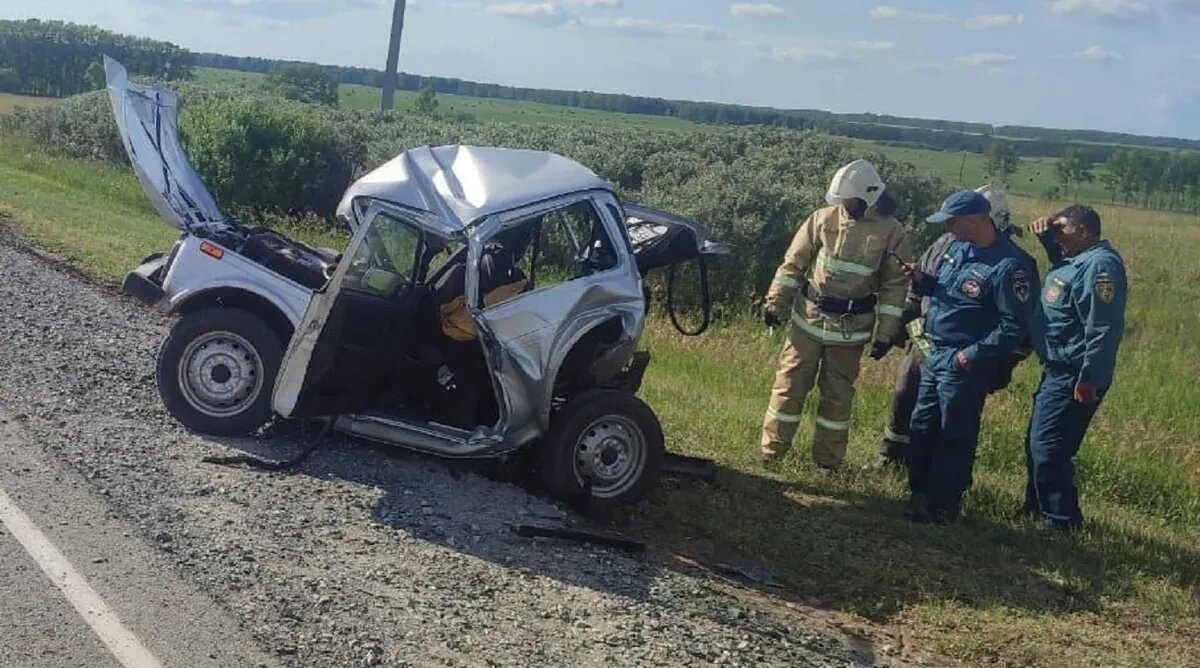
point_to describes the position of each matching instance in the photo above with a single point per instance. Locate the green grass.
(10, 101)
(96, 215)
(993, 589)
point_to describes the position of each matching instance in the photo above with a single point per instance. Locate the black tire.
(241, 337)
(601, 415)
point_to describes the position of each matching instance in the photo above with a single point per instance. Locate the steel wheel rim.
(220, 374)
(611, 452)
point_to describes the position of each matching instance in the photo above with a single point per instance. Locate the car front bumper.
(145, 282)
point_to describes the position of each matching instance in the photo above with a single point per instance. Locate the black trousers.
(896, 436)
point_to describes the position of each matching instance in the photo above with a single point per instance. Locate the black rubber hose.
(705, 299)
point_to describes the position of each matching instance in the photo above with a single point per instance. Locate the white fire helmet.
(1001, 212)
(858, 179)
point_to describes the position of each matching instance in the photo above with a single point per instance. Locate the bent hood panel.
(147, 117)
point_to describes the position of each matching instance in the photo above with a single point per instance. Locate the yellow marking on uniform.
(829, 337)
(835, 265)
(832, 425)
(781, 417)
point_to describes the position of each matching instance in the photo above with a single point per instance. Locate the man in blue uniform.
(981, 301)
(1076, 332)
(893, 447)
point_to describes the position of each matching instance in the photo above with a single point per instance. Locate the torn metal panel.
(147, 118)
(463, 184)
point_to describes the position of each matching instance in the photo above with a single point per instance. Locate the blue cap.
(961, 203)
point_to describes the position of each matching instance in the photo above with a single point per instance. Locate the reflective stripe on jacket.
(845, 259)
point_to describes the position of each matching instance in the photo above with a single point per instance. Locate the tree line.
(915, 132)
(52, 58)
(1149, 178)
(56, 59)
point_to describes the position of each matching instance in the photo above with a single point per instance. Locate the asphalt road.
(123, 585)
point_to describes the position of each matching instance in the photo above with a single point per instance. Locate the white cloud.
(648, 28)
(977, 61)
(1097, 53)
(1159, 102)
(889, 13)
(1104, 10)
(594, 3)
(827, 52)
(538, 12)
(989, 21)
(759, 10)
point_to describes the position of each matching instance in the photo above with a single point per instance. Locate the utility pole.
(393, 59)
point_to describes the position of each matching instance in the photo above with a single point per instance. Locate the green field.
(367, 98)
(9, 101)
(993, 589)
(1032, 179)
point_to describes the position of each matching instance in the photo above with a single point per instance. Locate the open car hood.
(661, 238)
(147, 117)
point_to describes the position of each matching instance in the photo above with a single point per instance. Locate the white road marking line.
(120, 641)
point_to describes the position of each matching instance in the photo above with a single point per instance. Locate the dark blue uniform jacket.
(1082, 315)
(981, 301)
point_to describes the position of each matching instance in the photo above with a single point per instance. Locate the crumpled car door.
(661, 238)
(357, 329)
(148, 120)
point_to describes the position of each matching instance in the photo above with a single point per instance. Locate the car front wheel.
(216, 371)
(607, 442)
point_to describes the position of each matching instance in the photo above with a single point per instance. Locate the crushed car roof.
(461, 184)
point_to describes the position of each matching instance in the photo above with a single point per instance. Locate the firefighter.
(981, 301)
(893, 446)
(839, 289)
(1079, 328)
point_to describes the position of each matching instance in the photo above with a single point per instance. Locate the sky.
(1121, 65)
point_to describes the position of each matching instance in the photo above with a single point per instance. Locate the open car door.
(661, 239)
(361, 325)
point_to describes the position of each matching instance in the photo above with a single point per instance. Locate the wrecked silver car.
(489, 300)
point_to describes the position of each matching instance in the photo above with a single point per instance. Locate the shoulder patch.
(1020, 285)
(1106, 288)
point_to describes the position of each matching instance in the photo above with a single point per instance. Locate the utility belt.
(834, 306)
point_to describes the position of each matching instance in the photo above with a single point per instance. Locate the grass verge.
(993, 589)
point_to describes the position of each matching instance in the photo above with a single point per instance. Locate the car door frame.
(292, 379)
(524, 358)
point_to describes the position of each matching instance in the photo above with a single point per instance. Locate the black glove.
(880, 348)
(770, 319)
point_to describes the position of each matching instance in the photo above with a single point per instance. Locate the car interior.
(399, 339)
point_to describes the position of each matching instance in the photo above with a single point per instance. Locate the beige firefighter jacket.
(844, 258)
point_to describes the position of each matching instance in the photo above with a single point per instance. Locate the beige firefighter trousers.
(834, 368)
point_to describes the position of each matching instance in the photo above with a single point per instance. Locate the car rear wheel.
(606, 441)
(216, 371)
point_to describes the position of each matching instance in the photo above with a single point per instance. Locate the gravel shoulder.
(361, 556)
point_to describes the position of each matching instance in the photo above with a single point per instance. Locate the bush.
(751, 186)
(303, 82)
(258, 156)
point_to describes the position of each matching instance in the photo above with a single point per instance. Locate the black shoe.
(1060, 525)
(883, 463)
(827, 471)
(923, 514)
